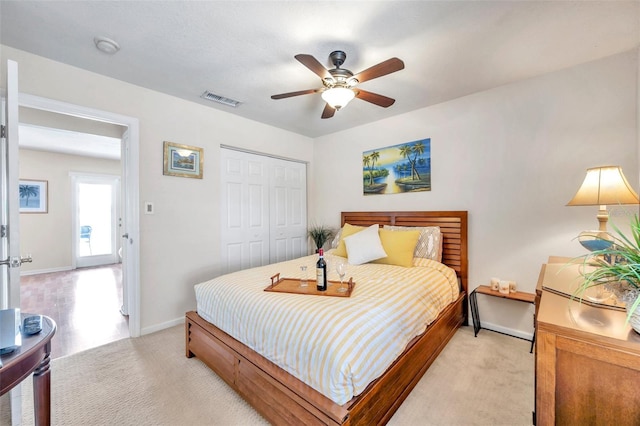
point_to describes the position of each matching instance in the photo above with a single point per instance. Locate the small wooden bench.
(519, 296)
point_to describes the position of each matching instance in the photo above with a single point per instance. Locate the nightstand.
(587, 361)
(519, 296)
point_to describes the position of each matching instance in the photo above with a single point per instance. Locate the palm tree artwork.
(376, 182)
(397, 169)
(29, 192)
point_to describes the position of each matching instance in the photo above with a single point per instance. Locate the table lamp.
(602, 186)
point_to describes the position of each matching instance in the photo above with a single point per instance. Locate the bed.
(283, 399)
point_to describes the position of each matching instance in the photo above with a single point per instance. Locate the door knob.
(15, 262)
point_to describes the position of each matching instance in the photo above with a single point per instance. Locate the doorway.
(95, 213)
(130, 195)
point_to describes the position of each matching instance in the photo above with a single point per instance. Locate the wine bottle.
(321, 272)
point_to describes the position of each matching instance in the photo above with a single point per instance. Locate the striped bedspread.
(335, 345)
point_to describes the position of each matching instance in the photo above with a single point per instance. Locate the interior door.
(124, 223)
(10, 228)
(288, 210)
(9, 211)
(244, 204)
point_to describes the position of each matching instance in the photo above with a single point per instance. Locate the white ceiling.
(49, 139)
(245, 50)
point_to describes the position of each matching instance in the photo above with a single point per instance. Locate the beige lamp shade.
(602, 186)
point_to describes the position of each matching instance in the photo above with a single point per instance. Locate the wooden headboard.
(453, 226)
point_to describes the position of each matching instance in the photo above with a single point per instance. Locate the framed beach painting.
(33, 196)
(182, 160)
(396, 169)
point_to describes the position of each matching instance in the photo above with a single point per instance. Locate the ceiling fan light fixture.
(338, 97)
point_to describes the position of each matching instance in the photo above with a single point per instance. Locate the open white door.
(10, 259)
(126, 213)
(10, 228)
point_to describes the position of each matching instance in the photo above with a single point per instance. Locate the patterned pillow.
(429, 244)
(336, 239)
(347, 229)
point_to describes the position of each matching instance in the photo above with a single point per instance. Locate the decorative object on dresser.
(284, 399)
(616, 269)
(587, 358)
(602, 186)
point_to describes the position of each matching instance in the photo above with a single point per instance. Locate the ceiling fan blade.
(291, 94)
(383, 68)
(313, 64)
(328, 111)
(374, 98)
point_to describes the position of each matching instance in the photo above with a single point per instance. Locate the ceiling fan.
(339, 84)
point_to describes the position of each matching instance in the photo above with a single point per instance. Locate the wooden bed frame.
(283, 399)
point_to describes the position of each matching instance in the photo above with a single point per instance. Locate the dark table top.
(20, 363)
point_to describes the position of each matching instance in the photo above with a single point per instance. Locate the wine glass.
(304, 280)
(341, 269)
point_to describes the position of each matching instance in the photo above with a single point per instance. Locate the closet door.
(288, 210)
(263, 210)
(244, 210)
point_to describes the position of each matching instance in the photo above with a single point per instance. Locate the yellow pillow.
(399, 246)
(347, 230)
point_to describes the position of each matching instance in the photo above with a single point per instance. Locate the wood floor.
(85, 304)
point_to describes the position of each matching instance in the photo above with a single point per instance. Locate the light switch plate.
(148, 207)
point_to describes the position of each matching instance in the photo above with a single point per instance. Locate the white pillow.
(364, 246)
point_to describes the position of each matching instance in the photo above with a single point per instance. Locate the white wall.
(513, 157)
(48, 237)
(180, 243)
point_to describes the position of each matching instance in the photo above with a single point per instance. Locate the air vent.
(219, 99)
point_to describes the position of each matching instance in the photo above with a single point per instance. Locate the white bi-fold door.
(263, 205)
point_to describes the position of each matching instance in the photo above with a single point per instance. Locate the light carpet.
(484, 380)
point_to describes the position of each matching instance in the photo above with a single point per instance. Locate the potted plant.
(617, 268)
(320, 235)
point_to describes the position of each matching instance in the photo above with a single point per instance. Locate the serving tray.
(292, 285)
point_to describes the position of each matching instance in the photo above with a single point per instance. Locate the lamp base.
(595, 240)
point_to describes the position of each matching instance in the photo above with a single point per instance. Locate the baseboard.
(504, 330)
(45, 271)
(162, 326)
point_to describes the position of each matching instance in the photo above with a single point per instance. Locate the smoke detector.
(106, 45)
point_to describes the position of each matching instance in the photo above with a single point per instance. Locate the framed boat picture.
(396, 169)
(182, 160)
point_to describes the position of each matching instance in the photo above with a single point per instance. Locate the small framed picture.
(34, 196)
(182, 160)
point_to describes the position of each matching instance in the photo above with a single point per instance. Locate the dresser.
(587, 360)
